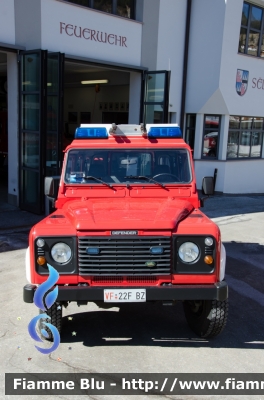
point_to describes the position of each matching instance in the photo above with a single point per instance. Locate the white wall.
(211, 89)
(150, 30)
(214, 60)
(170, 48)
(244, 177)
(233, 177)
(7, 21)
(61, 24)
(27, 20)
(251, 103)
(205, 51)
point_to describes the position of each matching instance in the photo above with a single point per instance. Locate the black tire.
(55, 313)
(207, 318)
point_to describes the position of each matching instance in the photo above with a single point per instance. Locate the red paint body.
(95, 210)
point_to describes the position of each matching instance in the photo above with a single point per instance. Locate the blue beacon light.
(164, 132)
(91, 133)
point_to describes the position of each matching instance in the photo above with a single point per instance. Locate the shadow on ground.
(224, 205)
(13, 241)
(165, 326)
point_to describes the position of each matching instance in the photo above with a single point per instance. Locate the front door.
(40, 116)
(54, 128)
(155, 102)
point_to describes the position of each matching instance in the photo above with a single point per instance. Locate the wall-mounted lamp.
(95, 82)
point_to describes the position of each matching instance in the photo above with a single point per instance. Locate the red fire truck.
(127, 227)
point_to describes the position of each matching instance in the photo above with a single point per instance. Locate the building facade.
(194, 62)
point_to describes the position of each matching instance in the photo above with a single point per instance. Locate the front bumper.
(217, 291)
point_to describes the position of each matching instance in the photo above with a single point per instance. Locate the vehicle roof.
(127, 142)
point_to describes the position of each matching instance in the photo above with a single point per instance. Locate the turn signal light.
(208, 259)
(41, 260)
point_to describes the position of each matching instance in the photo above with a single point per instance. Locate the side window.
(123, 8)
(211, 136)
(245, 137)
(251, 40)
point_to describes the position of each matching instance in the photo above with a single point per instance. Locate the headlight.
(61, 253)
(189, 252)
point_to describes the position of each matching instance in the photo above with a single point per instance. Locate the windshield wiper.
(146, 178)
(98, 180)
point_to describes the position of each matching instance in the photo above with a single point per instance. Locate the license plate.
(124, 295)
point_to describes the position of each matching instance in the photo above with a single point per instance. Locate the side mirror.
(51, 186)
(208, 186)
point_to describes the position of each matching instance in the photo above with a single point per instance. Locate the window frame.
(190, 128)
(205, 157)
(240, 130)
(249, 30)
(113, 11)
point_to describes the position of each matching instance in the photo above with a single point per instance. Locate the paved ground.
(154, 339)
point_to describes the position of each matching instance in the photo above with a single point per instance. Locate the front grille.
(141, 279)
(121, 279)
(124, 256)
(107, 279)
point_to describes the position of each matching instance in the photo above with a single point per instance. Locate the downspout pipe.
(185, 61)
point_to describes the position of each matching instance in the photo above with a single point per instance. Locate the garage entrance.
(57, 94)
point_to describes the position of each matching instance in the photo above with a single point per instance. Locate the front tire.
(55, 314)
(207, 318)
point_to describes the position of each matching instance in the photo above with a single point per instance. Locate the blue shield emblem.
(241, 81)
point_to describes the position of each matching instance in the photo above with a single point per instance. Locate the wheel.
(55, 313)
(207, 318)
(166, 173)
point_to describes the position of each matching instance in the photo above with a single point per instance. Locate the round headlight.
(61, 253)
(208, 241)
(189, 252)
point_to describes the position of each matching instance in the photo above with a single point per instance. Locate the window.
(156, 97)
(251, 39)
(190, 129)
(92, 166)
(123, 8)
(245, 137)
(210, 136)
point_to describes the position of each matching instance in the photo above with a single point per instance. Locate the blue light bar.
(91, 133)
(165, 132)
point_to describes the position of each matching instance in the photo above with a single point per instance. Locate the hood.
(104, 214)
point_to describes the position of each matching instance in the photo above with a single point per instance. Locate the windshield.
(128, 166)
